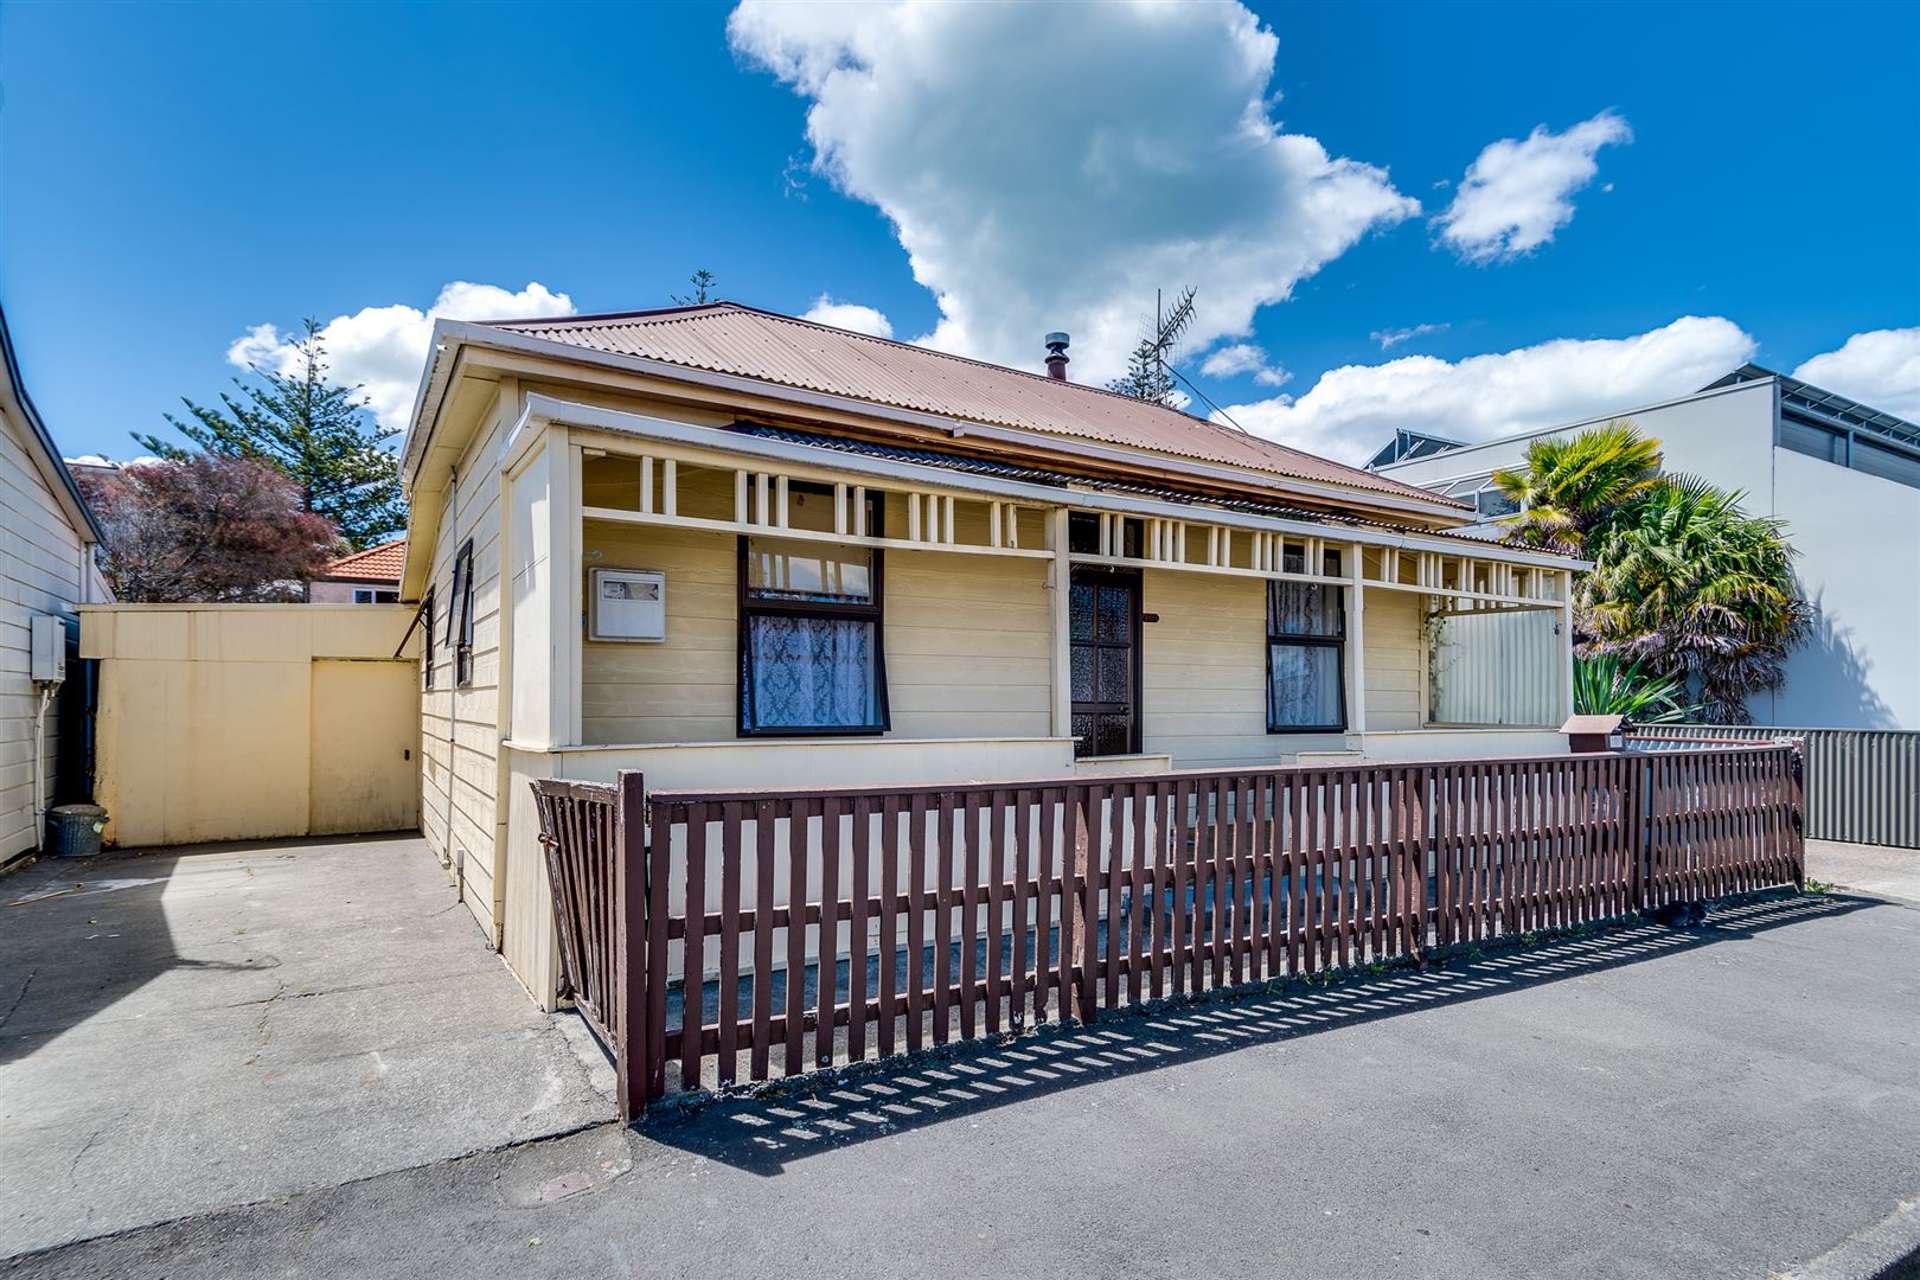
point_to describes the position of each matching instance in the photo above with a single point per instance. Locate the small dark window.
(1492, 502)
(812, 654)
(427, 653)
(1306, 642)
(460, 611)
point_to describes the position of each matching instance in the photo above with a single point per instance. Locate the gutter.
(541, 409)
(450, 335)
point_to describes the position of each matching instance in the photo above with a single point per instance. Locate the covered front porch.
(751, 606)
(691, 584)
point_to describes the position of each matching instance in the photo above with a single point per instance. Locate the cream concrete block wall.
(40, 572)
(207, 725)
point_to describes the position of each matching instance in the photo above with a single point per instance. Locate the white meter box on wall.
(49, 638)
(627, 604)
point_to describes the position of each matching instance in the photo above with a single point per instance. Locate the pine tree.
(1146, 377)
(311, 429)
(703, 282)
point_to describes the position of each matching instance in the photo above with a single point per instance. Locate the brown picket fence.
(926, 913)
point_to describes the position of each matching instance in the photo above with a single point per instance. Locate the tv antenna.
(1168, 325)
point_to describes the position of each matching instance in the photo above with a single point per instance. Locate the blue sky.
(175, 175)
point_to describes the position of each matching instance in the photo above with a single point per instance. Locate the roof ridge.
(726, 304)
(1273, 455)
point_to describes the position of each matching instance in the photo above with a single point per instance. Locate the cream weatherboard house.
(47, 571)
(734, 549)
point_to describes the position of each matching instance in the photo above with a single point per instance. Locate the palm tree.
(1688, 585)
(1605, 685)
(1571, 485)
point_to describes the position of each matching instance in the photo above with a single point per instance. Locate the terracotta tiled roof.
(724, 337)
(376, 564)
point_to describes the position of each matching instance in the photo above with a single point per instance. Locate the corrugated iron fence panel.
(1496, 667)
(1863, 785)
(915, 915)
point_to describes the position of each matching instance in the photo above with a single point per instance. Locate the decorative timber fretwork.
(667, 484)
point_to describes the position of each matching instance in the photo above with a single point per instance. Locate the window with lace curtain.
(811, 659)
(1306, 654)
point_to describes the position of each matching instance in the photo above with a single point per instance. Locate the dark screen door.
(1104, 644)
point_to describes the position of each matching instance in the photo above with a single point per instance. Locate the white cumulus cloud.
(1880, 368)
(1237, 358)
(1351, 411)
(383, 349)
(849, 315)
(1048, 166)
(1517, 193)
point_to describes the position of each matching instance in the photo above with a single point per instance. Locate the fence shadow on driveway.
(884, 1099)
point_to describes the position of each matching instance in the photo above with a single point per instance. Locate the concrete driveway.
(1738, 1100)
(1881, 870)
(203, 1027)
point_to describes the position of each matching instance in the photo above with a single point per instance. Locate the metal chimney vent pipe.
(1057, 356)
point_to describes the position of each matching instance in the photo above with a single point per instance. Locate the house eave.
(541, 409)
(452, 337)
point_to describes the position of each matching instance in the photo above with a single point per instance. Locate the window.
(811, 653)
(1492, 503)
(374, 595)
(460, 615)
(1306, 639)
(426, 644)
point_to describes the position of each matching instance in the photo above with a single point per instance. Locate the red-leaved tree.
(222, 530)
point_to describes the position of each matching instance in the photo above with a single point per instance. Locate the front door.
(1103, 638)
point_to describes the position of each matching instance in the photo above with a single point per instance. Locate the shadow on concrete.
(76, 937)
(811, 1114)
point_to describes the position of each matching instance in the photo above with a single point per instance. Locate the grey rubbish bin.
(73, 830)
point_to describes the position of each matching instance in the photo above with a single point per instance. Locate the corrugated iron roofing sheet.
(1040, 475)
(725, 337)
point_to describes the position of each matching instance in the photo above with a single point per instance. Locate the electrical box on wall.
(49, 649)
(627, 604)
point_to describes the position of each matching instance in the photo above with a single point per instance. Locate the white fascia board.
(447, 333)
(541, 407)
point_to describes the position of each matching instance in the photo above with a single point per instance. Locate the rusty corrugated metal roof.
(725, 337)
(376, 564)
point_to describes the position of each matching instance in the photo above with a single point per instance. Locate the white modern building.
(1843, 476)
